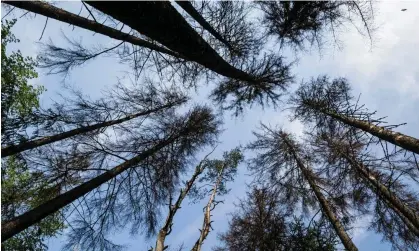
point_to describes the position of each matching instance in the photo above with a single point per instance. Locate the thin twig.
(7, 13)
(45, 26)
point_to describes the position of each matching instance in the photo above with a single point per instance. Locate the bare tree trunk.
(406, 221)
(161, 22)
(20, 223)
(188, 7)
(167, 228)
(53, 12)
(11, 150)
(399, 139)
(340, 230)
(382, 191)
(206, 226)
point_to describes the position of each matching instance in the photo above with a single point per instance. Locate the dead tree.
(219, 172)
(198, 124)
(14, 149)
(279, 154)
(322, 101)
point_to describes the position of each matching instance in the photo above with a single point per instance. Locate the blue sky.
(387, 75)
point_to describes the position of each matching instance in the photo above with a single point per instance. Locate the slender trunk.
(11, 150)
(20, 223)
(207, 214)
(161, 22)
(382, 191)
(188, 7)
(340, 230)
(405, 220)
(167, 228)
(399, 139)
(53, 12)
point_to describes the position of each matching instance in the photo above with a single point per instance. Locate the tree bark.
(20, 223)
(11, 150)
(160, 21)
(382, 191)
(207, 214)
(340, 230)
(167, 228)
(399, 139)
(188, 7)
(53, 12)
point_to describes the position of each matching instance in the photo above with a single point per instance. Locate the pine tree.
(285, 164)
(261, 223)
(322, 101)
(187, 133)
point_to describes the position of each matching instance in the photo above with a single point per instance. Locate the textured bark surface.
(326, 208)
(167, 228)
(10, 150)
(20, 223)
(53, 12)
(399, 139)
(161, 22)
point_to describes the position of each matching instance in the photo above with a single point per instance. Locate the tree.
(285, 164)
(219, 172)
(302, 23)
(173, 208)
(261, 223)
(19, 99)
(13, 149)
(189, 8)
(348, 164)
(321, 101)
(22, 189)
(265, 80)
(187, 133)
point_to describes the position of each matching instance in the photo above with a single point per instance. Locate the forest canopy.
(151, 151)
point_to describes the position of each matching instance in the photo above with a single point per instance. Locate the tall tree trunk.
(406, 221)
(160, 21)
(383, 192)
(207, 214)
(188, 7)
(20, 223)
(340, 230)
(10, 150)
(399, 139)
(53, 12)
(167, 228)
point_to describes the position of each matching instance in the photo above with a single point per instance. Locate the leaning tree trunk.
(161, 22)
(188, 7)
(53, 12)
(399, 139)
(13, 149)
(206, 226)
(326, 208)
(167, 228)
(22, 222)
(405, 220)
(382, 191)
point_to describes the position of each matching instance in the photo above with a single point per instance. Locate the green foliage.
(225, 169)
(315, 237)
(22, 189)
(260, 223)
(18, 98)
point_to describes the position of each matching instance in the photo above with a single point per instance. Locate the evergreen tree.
(261, 223)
